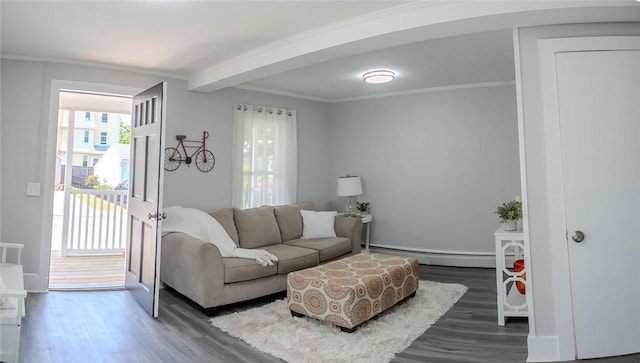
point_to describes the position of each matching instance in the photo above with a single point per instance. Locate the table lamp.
(349, 186)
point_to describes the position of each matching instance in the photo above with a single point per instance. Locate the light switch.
(33, 189)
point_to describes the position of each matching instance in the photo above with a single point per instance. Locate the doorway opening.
(89, 233)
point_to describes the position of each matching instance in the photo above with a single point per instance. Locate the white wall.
(26, 154)
(546, 341)
(434, 165)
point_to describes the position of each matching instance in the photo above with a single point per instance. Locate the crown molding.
(282, 93)
(429, 89)
(148, 71)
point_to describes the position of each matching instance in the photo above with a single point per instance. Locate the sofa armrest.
(350, 227)
(194, 268)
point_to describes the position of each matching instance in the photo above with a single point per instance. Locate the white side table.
(511, 302)
(366, 221)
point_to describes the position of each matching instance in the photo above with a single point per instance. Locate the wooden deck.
(86, 272)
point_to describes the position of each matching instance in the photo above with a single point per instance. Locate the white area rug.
(272, 329)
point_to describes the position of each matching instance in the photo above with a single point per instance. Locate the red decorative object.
(518, 265)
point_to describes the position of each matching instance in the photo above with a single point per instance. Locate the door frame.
(547, 49)
(50, 123)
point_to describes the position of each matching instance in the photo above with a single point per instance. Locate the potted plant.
(510, 212)
(363, 207)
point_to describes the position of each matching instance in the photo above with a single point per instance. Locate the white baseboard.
(443, 258)
(33, 283)
(543, 349)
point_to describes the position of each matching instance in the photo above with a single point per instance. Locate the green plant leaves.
(509, 211)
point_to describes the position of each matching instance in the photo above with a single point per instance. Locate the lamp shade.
(349, 186)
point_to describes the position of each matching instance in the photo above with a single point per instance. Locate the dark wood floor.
(109, 326)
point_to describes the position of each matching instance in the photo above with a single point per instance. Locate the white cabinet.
(12, 295)
(510, 246)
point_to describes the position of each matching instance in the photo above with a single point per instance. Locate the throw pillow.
(318, 224)
(257, 227)
(289, 219)
(225, 218)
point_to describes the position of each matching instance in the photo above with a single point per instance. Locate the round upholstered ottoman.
(352, 290)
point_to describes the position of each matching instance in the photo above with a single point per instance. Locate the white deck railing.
(95, 221)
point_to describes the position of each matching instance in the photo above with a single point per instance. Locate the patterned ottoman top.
(352, 270)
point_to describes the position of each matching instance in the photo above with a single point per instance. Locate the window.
(95, 161)
(264, 156)
(87, 116)
(103, 138)
(105, 118)
(85, 160)
(86, 137)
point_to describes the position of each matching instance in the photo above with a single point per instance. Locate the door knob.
(577, 236)
(157, 216)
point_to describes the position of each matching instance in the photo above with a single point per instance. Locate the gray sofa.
(196, 269)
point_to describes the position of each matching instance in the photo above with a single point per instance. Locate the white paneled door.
(145, 197)
(598, 109)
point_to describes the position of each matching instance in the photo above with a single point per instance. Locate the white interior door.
(145, 197)
(599, 116)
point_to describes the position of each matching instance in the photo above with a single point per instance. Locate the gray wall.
(434, 165)
(27, 151)
(211, 191)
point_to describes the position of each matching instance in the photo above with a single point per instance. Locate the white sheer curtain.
(265, 156)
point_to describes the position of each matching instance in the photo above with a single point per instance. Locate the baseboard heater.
(442, 258)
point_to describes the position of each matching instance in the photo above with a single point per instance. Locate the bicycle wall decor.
(205, 161)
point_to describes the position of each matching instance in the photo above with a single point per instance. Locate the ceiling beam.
(403, 24)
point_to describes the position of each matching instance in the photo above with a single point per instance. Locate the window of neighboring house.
(86, 137)
(264, 156)
(87, 116)
(103, 138)
(105, 118)
(95, 161)
(85, 160)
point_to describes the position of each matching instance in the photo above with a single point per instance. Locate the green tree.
(92, 181)
(125, 133)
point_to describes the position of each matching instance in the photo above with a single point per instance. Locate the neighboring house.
(83, 138)
(108, 127)
(93, 132)
(113, 167)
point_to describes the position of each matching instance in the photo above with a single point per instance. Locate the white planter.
(510, 225)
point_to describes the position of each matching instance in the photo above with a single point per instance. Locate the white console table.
(366, 227)
(509, 244)
(366, 222)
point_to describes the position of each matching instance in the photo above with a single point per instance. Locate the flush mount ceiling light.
(379, 76)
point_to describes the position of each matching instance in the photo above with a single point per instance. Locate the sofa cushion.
(328, 248)
(318, 224)
(243, 269)
(293, 258)
(257, 227)
(289, 219)
(225, 218)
